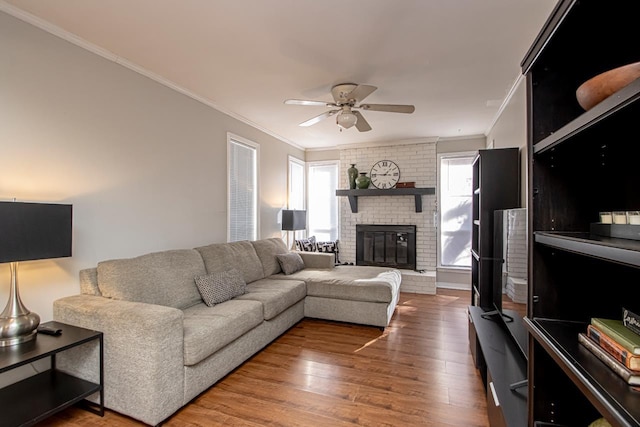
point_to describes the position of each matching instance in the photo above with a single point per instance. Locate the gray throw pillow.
(220, 287)
(290, 263)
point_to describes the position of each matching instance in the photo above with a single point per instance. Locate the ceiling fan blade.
(305, 102)
(361, 124)
(318, 118)
(391, 108)
(361, 92)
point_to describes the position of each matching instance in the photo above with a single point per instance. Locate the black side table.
(35, 398)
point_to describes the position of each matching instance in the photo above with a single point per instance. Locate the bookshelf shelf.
(617, 250)
(612, 395)
(622, 99)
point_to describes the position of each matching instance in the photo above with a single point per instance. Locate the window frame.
(438, 220)
(231, 139)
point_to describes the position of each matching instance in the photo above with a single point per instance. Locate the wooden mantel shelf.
(417, 192)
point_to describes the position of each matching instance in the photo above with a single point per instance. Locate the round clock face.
(385, 174)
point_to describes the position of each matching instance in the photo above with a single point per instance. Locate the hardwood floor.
(417, 372)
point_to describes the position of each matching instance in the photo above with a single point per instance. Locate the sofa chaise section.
(354, 294)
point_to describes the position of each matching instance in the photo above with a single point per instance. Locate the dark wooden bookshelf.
(496, 185)
(580, 163)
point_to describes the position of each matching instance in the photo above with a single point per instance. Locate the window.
(242, 158)
(454, 249)
(322, 213)
(296, 194)
(296, 184)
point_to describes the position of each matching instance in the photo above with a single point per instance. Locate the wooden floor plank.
(418, 371)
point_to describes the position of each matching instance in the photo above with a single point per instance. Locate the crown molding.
(378, 144)
(506, 101)
(110, 56)
(462, 137)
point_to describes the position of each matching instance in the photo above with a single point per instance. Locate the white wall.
(464, 144)
(143, 166)
(322, 155)
(510, 130)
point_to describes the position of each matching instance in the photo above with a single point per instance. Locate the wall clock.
(385, 174)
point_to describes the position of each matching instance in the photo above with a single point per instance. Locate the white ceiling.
(455, 60)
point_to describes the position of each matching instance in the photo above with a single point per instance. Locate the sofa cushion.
(290, 262)
(220, 287)
(267, 249)
(208, 329)
(317, 260)
(275, 295)
(163, 278)
(239, 255)
(356, 283)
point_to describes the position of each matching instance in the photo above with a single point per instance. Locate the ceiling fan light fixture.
(346, 119)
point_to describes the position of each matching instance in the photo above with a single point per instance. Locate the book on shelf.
(631, 378)
(631, 320)
(609, 345)
(620, 333)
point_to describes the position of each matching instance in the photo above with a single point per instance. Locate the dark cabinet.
(580, 163)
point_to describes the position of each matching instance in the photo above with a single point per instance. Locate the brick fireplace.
(417, 162)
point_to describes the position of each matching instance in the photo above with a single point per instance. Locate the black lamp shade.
(294, 220)
(30, 231)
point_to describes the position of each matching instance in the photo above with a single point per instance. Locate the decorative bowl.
(600, 87)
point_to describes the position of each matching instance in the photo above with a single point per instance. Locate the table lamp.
(294, 220)
(29, 231)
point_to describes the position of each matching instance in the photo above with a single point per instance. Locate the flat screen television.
(510, 272)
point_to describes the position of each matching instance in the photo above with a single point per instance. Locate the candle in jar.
(634, 217)
(606, 218)
(619, 217)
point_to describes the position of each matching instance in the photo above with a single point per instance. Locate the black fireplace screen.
(386, 245)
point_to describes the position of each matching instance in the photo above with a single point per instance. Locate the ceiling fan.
(348, 98)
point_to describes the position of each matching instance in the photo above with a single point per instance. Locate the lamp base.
(7, 342)
(16, 330)
(17, 324)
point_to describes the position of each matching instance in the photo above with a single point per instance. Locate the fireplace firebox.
(386, 245)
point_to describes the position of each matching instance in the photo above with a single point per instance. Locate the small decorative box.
(410, 184)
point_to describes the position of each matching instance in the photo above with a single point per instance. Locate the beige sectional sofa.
(163, 345)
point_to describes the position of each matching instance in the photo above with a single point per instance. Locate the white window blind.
(323, 203)
(243, 189)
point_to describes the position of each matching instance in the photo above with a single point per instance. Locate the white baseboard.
(450, 285)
